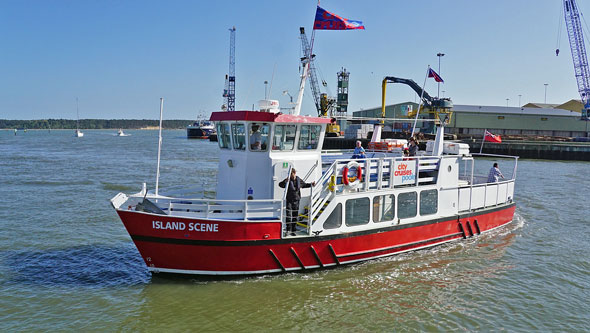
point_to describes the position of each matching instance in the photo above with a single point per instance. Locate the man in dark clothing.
(413, 149)
(295, 184)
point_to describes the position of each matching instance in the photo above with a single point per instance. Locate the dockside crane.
(576, 39)
(434, 105)
(229, 93)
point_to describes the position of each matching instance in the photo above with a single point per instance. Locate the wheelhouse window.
(383, 208)
(223, 136)
(428, 202)
(309, 137)
(335, 219)
(239, 136)
(407, 205)
(357, 211)
(283, 138)
(258, 136)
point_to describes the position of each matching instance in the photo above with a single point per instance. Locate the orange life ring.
(354, 181)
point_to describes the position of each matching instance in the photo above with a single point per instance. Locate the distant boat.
(120, 133)
(200, 129)
(78, 133)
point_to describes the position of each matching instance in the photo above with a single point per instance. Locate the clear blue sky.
(120, 57)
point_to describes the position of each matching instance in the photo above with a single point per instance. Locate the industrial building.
(561, 120)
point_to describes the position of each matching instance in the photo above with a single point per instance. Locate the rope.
(559, 26)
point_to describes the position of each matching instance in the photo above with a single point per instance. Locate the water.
(67, 263)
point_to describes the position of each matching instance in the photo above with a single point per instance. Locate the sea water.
(67, 263)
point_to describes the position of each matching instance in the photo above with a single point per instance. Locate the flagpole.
(159, 147)
(483, 139)
(420, 105)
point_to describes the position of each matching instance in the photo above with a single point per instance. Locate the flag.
(324, 20)
(492, 137)
(432, 73)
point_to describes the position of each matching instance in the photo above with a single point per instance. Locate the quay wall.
(550, 150)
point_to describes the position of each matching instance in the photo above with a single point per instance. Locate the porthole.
(450, 168)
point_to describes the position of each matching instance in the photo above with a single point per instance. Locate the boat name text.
(192, 226)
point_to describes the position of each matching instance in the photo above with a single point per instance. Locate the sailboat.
(78, 133)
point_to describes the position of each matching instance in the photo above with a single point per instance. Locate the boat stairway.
(303, 218)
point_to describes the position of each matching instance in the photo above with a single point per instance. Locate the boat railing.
(243, 210)
(321, 194)
(484, 195)
(380, 173)
(476, 191)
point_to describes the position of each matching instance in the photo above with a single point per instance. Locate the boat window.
(258, 136)
(406, 205)
(239, 135)
(284, 137)
(357, 211)
(428, 202)
(223, 136)
(383, 208)
(335, 219)
(309, 136)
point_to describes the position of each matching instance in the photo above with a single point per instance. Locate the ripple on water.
(90, 265)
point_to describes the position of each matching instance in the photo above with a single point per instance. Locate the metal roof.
(514, 110)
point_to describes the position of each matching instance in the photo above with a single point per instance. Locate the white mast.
(297, 108)
(77, 117)
(159, 147)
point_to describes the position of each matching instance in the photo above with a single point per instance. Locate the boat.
(357, 209)
(78, 133)
(121, 133)
(200, 129)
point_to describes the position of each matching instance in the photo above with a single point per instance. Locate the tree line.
(92, 123)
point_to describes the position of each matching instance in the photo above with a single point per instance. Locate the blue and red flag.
(432, 73)
(324, 20)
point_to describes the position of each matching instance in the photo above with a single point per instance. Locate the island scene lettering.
(192, 226)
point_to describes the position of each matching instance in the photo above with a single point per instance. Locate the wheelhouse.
(257, 150)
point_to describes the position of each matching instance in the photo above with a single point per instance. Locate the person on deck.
(255, 138)
(359, 151)
(495, 174)
(295, 184)
(413, 147)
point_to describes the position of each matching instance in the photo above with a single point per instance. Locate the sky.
(119, 57)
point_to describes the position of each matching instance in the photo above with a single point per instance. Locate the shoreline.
(91, 129)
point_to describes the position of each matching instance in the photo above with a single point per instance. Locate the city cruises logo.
(405, 173)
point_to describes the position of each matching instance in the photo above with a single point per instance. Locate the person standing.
(413, 149)
(295, 184)
(495, 174)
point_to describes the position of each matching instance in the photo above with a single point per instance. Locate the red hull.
(224, 247)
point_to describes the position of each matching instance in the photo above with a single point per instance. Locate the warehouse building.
(530, 119)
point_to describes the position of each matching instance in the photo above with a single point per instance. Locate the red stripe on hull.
(245, 247)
